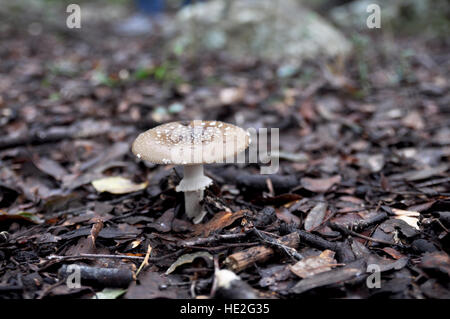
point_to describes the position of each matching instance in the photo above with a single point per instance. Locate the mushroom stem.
(192, 172)
(192, 203)
(193, 184)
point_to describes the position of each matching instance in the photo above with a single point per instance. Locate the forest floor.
(363, 183)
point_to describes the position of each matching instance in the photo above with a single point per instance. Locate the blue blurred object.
(148, 14)
(151, 7)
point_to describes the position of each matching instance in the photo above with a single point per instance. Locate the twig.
(344, 230)
(361, 225)
(96, 276)
(291, 252)
(317, 241)
(211, 239)
(248, 257)
(87, 256)
(11, 288)
(145, 262)
(226, 246)
(214, 284)
(50, 288)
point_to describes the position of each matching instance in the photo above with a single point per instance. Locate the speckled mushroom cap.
(189, 143)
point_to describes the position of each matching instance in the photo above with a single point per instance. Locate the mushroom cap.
(191, 142)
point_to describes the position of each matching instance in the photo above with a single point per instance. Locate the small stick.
(209, 240)
(145, 262)
(106, 277)
(11, 288)
(361, 225)
(84, 256)
(214, 284)
(226, 246)
(276, 243)
(344, 230)
(46, 291)
(246, 258)
(317, 241)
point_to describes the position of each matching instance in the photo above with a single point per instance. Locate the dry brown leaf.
(320, 185)
(189, 258)
(439, 261)
(313, 265)
(219, 221)
(285, 215)
(315, 216)
(393, 253)
(95, 230)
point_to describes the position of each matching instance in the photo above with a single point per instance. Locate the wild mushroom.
(191, 144)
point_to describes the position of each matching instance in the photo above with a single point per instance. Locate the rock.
(274, 30)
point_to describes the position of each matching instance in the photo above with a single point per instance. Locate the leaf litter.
(363, 176)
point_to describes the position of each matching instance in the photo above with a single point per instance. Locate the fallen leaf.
(293, 157)
(164, 223)
(333, 276)
(320, 185)
(439, 261)
(50, 167)
(401, 212)
(219, 221)
(150, 286)
(96, 228)
(411, 221)
(414, 120)
(135, 243)
(285, 215)
(310, 266)
(391, 225)
(385, 264)
(25, 216)
(393, 253)
(117, 185)
(229, 96)
(189, 258)
(271, 275)
(108, 232)
(372, 162)
(410, 217)
(433, 289)
(109, 293)
(279, 199)
(420, 174)
(315, 216)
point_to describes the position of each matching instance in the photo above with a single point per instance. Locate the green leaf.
(109, 293)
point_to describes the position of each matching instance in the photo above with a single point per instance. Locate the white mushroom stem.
(192, 203)
(193, 184)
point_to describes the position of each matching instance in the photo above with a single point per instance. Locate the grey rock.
(274, 30)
